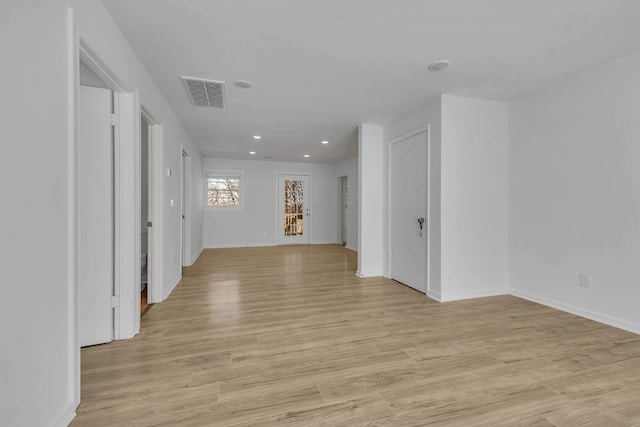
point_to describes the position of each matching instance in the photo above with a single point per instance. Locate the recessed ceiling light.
(307, 155)
(439, 65)
(325, 142)
(257, 137)
(252, 152)
(242, 84)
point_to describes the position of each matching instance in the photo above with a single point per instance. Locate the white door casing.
(185, 240)
(95, 216)
(294, 214)
(344, 209)
(407, 196)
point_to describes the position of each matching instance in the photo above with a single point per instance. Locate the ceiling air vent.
(205, 93)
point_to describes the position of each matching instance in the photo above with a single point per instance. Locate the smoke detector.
(205, 93)
(443, 64)
(242, 84)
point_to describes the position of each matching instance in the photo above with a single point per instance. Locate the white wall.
(475, 136)
(36, 386)
(34, 250)
(349, 168)
(574, 196)
(371, 185)
(255, 224)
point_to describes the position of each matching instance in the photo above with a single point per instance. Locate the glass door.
(293, 211)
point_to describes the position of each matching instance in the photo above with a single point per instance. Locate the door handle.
(421, 222)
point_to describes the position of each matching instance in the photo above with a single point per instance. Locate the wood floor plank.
(290, 336)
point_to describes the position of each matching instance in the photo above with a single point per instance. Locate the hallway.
(290, 336)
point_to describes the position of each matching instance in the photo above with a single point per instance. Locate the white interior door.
(95, 215)
(408, 172)
(294, 217)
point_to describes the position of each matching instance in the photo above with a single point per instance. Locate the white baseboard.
(472, 294)
(598, 317)
(351, 248)
(374, 274)
(262, 245)
(195, 257)
(434, 295)
(67, 416)
(248, 245)
(173, 286)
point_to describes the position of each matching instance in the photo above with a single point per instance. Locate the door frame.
(426, 129)
(307, 201)
(185, 207)
(126, 193)
(126, 199)
(343, 229)
(155, 254)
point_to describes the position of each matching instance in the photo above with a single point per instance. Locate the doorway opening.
(112, 197)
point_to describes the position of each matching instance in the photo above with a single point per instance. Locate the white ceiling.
(320, 68)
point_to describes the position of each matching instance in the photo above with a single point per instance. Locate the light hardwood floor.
(289, 336)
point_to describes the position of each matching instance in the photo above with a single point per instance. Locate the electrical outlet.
(585, 280)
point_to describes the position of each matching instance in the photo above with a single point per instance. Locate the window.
(224, 189)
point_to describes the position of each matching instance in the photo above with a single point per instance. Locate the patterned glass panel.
(293, 205)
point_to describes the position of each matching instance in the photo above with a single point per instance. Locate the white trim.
(137, 212)
(430, 246)
(472, 294)
(409, 134)
(593, 315)
(73, 64)
(91, 60)
(195, 257)
(351, 248)
(67, 415)
(117, 221)
(173, 286)
(266, 245)
(246, 245)
(434, 295)
(185, 206)
(156, 293)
